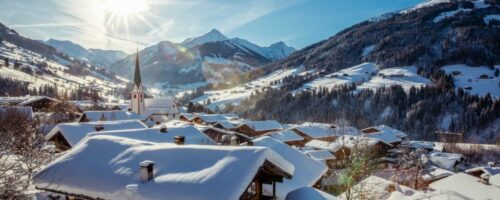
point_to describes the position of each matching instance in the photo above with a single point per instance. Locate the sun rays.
(121, 14)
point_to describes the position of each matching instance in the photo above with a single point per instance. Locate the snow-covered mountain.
(96, 57)
(39, 65)
(274, 51)
(212, 57)
(213, 36)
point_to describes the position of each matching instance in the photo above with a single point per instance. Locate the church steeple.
(137, 75)
(137, 100)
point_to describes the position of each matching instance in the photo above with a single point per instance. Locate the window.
(135, 96)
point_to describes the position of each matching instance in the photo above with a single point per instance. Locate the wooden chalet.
(258, 128)
(40, 104)
(450, 137)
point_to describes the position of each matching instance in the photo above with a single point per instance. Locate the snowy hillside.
(51, 68)
(96, 57)
(475, 80)
(234, 95)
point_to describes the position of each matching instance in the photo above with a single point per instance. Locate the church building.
(151, 110)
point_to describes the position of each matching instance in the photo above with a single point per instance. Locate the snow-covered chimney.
(163, 128)
(234, 141)
(179, 139)
(99, 127)
(147, 170)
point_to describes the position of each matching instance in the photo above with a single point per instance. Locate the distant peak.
(213, 36)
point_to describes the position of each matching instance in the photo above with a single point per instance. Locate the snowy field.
(475, 80)
(407, 77)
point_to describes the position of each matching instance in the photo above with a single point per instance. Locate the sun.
(120, 14)
(125, 7)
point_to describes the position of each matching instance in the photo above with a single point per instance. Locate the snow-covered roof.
(190, 133)
(108, 167)
(74, 132)
(387, 138)
(421, 144)
(266, 125)
(309, 193)
(320, 155)
(307, 170)
(445, 160)
(286, 136)
(468, 186)
(189, 116)
(490, 171)
(36, 98)
(159, 106)
(322, 130)
(435, 173)
(347, 141)
(112, 115)
(26, 110)
(495, 180)
(385, 130)
(229, 124)
(374, 187)
(214, 118)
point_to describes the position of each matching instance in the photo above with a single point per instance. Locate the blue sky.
(118, 24)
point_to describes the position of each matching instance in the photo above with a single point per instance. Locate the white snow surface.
(320, 155)
(286, 136)
(266, 125)
(309, 193)
(449, 14)
(74, 132)
(114, 115)
(374, 187)
(307, 170)
(468, 186)
(191, 135)
(407, 77)
(181, 171)
(488, 18)
(213, 36)
(367, 50)
(470, 77)
(445, 160)
(436, 173)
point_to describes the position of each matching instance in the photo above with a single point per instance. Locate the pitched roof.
(36, 98)
(487, 170)
(229, 124)
(468, 186)
(320, 155)
(181, 171)
(160, 106)
(445, 160)
(435, 173)
(307, 170)
(74, 132)
(386, 130)
(112, 115)
(347, 141)
(322, 130)
(266, 125)
(286, 136)
(190, 133)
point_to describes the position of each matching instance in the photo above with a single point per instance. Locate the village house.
(288, 137)
(66, 135)
(483, 172)
(210, 119)
(257, 128)
(323, 156)
(136, 169)
(187, 117)
(308, 172)
(447, 161)
(450, 137)
(94, 116)
(222, 136)
(385, 133)
(229, 125)
(467, 186)
(40, 103)
(163, 134)
(321, 131)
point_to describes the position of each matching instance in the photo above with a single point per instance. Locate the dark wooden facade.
(247, 130)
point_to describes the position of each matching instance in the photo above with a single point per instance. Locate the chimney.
(234, 141)
(99, 127)
(163, 128)
(179, 139)
(147, 170)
